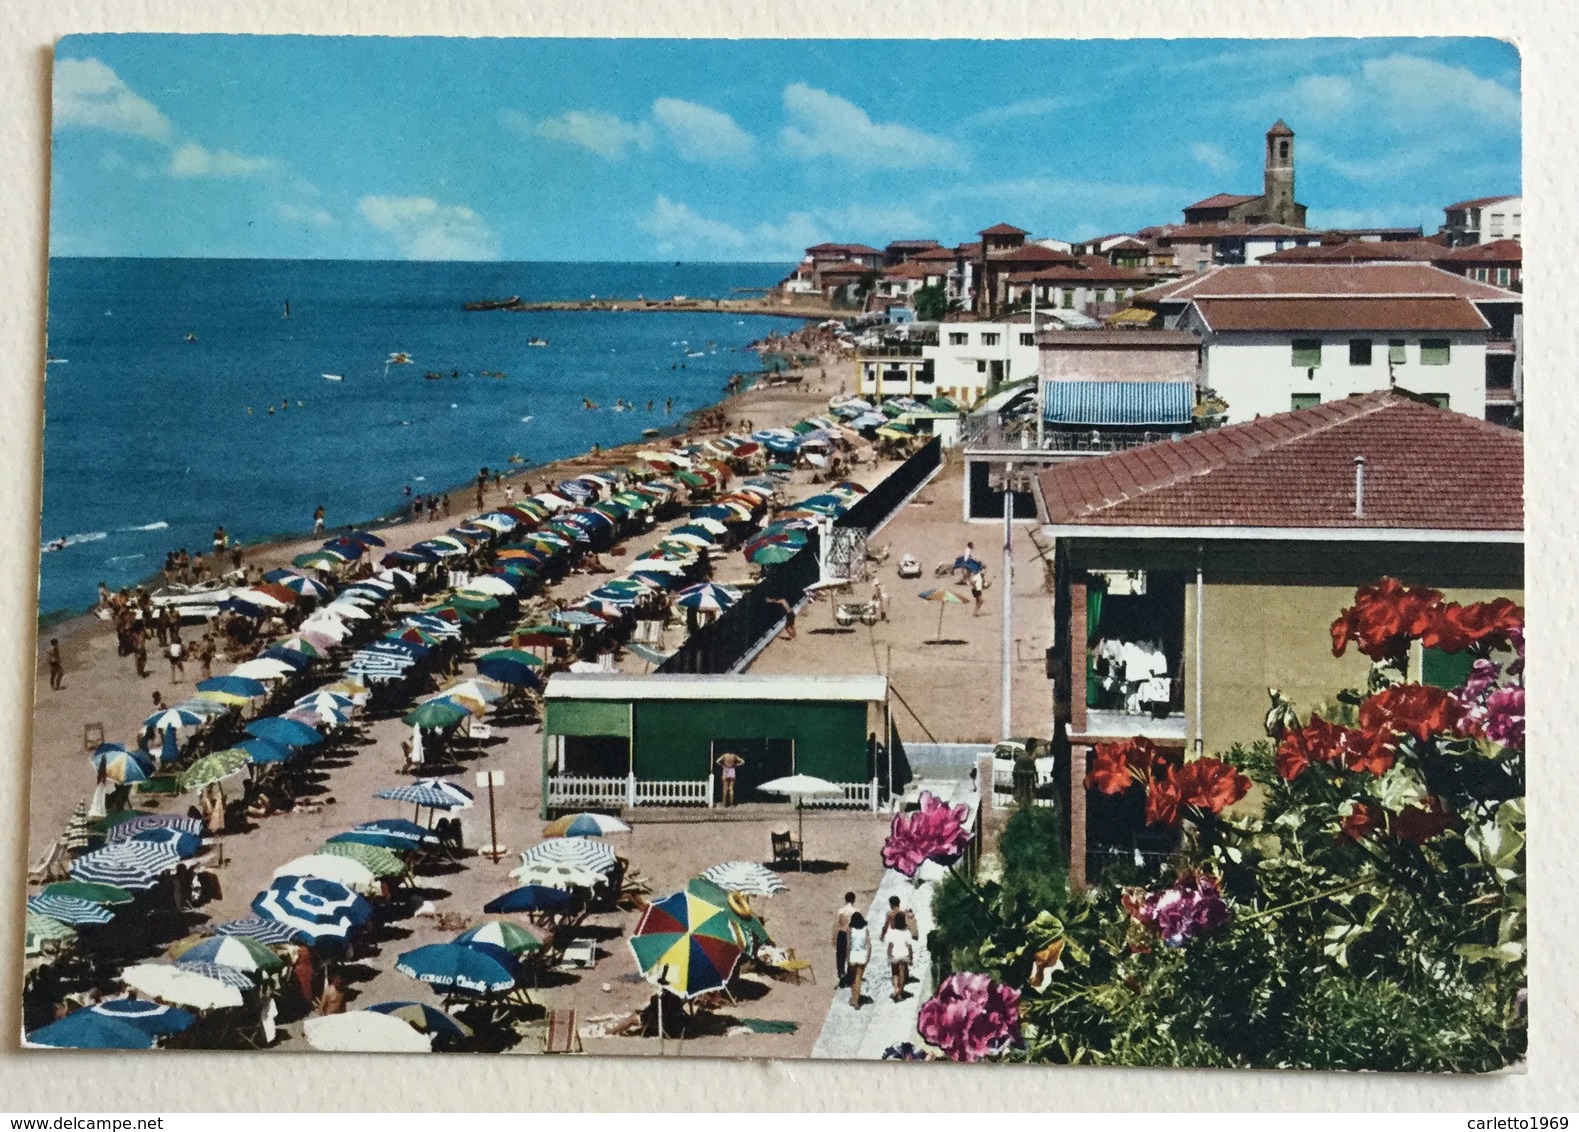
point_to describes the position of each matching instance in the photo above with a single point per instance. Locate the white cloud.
(825, 125)
(700, 133)
(1030, 108)
(1407, 89)
(596, 131)
(1212, 156)
(306, 216)
(193, 160)
(678, 229)
(423, 228)
(88, 93)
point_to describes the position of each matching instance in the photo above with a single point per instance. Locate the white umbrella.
(263, 668)
(748, 877)
(578, 852)
(557, 876)
(341, 608)
(325, 622)
(490, 585)
(364, 1031)
(391, 575)
(257, 597)
(180, 986)
(553, 502)
(342, 870)
(799, 787)
(477, 688)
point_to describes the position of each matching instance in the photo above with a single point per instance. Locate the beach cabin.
(618, 740)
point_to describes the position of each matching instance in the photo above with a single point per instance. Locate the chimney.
(1359, 487)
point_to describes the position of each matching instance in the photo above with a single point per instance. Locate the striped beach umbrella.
(117, 764)
(257, 928)
(142, 823)
(238, 952)
(175, 718)
(45, 929)
(317, 908)
(76, 837)
(578, 852)
(747, 877)
(707, 597)
(106, 894)
(69, 909)
(477, 968)
(219, 972)
(687, 945)
(507, 934)
(377, 860)
(211, 769)
(584, 825)
(430, 793)
(177, 841)
(132, 865)
(153, 1018)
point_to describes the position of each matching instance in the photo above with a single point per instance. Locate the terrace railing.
(575, 792)
(679, 793)
(857, 796)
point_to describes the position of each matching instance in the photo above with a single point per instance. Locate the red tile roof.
(1480, 202)
(1222, 200)
(1345, 313)
(845, 269)
(1031, 254)
(910, 270)
(1087, 269)
(1126, 242)
(1267, 279)
(1425, 469)
(942, 255)
(1129, 339)
(860, 249)
(1497, 251)
(1003, 230)
(909, 245)
(969, 251)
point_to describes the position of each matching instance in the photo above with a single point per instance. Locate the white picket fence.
(572, 792)
(698, 793)
(857, 796)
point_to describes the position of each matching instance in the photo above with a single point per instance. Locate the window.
(981, 365)
(1435, 351)
(1304, 401)
(1440, 400)
(1028, 339)
(1282, 150)
(1069, 298)
(1395, 352)
(956, 339)
(1494, 224)
(1514, 231)
(1502, 276)
(1359, 351)
(1440, 669)
(989, 339)
(1307, 352)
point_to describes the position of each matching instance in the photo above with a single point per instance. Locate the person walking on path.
(977, 586)
(177, 654)
(728, 763)
(965, 560)
(901, 948)
(318, 520)
(880, 600)
(140, 652)
(789, 616)
(841, 937)
(860, 956)
(57, 668)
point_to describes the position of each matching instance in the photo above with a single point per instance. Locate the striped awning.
(1119, 402)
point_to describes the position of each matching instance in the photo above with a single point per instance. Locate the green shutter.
(1305, 400)
(1307, 353)
(1395, 352)
(1435, 351)
(588, 717)
(1445, 669)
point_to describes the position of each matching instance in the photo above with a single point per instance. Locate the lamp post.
(1006, 675)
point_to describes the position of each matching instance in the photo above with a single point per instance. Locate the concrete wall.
(1256, 375)
(1072, 361)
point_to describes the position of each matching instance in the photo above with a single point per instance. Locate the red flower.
(1163, 799)
(1115, 767)
(1210, 784)
(1491, 624)
(1419, 824)
(1384, 619)
(1293, 755)
(1411, 709)
(1360, 822)
(935, 831)
(1324, 742)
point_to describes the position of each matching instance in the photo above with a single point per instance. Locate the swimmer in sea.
(271, 410)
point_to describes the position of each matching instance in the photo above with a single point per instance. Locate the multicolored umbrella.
(707, 597)
(117, 764)
(687, 945)
(584, 825)
(227, 951)
(259, 929)
(944, 598)
(476, 968)
(507, 934)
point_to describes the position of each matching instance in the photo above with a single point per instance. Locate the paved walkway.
(864, 1034)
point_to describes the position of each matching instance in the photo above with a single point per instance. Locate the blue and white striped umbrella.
(177, 841)
(153, 1018)
(436, 626)
(69, 909)
(578, 852)
(257, 928)
(131, 865)
(142, 823)
(707, 597)
(176, 717)
(432, 793)
(317, 908)
(219, 972)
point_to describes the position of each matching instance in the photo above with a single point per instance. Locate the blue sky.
(565, 149)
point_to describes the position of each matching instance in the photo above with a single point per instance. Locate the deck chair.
(52, 867)
(563, 1035)
(795, 968)
(785, 847)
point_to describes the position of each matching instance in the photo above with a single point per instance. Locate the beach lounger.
(581, 953)
(563, 1035)
(52, 867)
(791, 967)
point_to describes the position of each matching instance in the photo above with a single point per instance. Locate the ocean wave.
(73, 540)
(161, 525)
(126, 558)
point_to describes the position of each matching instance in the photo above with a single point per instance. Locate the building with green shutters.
(624, 740)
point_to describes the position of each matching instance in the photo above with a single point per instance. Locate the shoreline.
(639, 305)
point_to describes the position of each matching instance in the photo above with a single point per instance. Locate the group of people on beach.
(852, 947)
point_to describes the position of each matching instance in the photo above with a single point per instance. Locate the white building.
(1484, 219)
(972, 358)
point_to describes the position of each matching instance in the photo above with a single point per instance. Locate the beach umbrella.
(133, 823)
(178, 841)
(736, 907)
(229, 976)
(39, 930)
(171, 719)
(132, 865)
(318, 560)
(293, 659)
(506, 934)
(436, 714)
(773, 553)
(346, 609)
(117, 764)
(298, 583)
(85, 1029)
(365, 538)
(211, 768)
(372, 839)
(423, 1018)
(944, 598)
(317, 908)
(558, 876)
(531, 898)
(658, 566)
(76, 836)
(411, 833)
(107, 894)
(799, 787)
(703, 529)
(747, 877)
(430, 793)
(323, 866)
(687, 945)
(332, 701)
(348, 548)
(497, 521)
(326, 717)
(69, 909)
(285, 732)
(257, 928)
(490, 586)
(327, 625)
(584, 825)
(182, 986)
(480, 687)
(152, 1018)
(476, 968)
(353, 690)
(375, 859)
(575, 617)
(238, 952)
(434, 625)
(233, 686)
(261, 752)
(594, 856)
(402, 578)
(364, 1031)
(707, 597)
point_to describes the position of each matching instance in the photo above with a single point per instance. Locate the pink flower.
(1504, 721)
(970, 1017)
(936, 830)
(1190, 909)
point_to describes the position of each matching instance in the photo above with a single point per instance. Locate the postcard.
(863, 550)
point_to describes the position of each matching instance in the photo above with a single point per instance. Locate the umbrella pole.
(800, 814)
(940, 622)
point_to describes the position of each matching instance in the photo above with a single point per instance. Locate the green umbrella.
(107, 894)
(438, 713)
(378, 860)
(545, 631)
(502, 933)
(519, 656)
(47, 929)
(471, 604)
(211, 768)
(942, 405)
(317, 561)
(772, 553)
(261, 957)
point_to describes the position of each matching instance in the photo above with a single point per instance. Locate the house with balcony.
(1484, 219)
(1191, 576)
(1277, 336)
(896, 364)
(1089, 284)
(903, 251)
(973, 358)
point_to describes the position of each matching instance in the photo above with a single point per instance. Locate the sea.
(179, 396)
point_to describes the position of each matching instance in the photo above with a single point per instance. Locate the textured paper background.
(1545, 32)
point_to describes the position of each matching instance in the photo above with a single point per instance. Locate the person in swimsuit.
(728, 762)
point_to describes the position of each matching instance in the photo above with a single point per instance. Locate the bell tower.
(1278, 181)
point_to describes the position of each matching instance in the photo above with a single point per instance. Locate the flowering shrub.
(1365, 909)
(936, 831)
(971, 1016)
